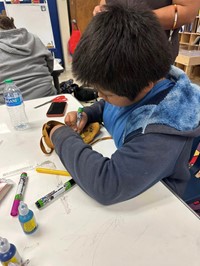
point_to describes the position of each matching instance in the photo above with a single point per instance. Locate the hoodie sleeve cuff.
(63, 134)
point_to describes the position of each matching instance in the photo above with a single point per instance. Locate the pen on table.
(79, 115)
(51, 171)
(19, 194)
(54, 194)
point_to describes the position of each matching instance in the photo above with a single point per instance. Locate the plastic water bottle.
(26, 218)
(14, 101)
(8, 253)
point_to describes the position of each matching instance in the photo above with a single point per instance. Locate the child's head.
(122, 51)
(6, 23)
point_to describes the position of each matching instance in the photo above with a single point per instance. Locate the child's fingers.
(82, 123)
(71, 118)
(81, 126)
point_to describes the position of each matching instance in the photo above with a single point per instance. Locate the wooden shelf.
(188, 59)
(189, 50)
(189, 40)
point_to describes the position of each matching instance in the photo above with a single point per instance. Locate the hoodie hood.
(176, 111)
(16, 41)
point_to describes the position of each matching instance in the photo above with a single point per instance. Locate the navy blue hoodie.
(156, 146)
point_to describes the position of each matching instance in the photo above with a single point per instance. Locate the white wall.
(64, 31)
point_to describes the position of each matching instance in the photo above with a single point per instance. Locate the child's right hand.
(71, 121)
(96, 10)
(99, 8)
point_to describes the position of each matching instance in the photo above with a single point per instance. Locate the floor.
(66, 75)
(196, 80)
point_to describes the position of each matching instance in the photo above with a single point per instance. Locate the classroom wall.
(1, 6)
(63, 17)
(56, 29)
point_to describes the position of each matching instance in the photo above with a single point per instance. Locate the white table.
(155, 228)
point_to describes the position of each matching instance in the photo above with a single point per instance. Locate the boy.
(152, 113)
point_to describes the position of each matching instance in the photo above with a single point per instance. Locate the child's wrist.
(54, 129)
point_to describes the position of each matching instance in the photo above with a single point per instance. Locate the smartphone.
(57, 109)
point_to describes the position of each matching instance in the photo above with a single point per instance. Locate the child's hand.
(71, 121)
(99, 8)
(96, 10)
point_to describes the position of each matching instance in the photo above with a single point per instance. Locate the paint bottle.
(8, 253)
(26, 218)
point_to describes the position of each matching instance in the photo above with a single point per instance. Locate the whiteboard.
(35, 18)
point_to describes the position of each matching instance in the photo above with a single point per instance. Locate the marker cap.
(23, 208)
(80, 109)
(39, 203)
(4, 245)
(14, 210)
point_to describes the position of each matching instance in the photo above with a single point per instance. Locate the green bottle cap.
(8, 81)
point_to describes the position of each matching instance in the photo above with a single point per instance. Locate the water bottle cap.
(8, 81)
(23, 208)
(4, 245)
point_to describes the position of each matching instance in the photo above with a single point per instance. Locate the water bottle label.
(13, 101)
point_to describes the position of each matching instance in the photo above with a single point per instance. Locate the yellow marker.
(52, 171)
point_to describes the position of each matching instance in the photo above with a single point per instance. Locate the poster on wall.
(34, 16)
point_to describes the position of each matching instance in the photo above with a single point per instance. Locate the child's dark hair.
(6, 23)
(122, 50)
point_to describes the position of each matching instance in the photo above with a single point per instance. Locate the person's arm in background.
(187, 10)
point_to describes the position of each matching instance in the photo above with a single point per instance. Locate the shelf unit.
(189, 40)
(189, 50)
